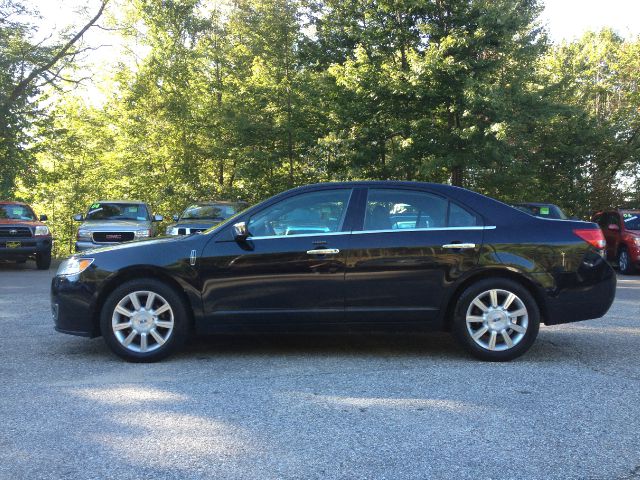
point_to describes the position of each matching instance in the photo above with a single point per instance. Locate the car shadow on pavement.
(350, 344)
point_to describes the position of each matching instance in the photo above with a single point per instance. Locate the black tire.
(492, 320)
(165, 293)
(624, 262)
(43, 260)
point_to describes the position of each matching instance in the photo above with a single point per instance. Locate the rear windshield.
(543, 211)
(209, 212)
(118, 211)
(16, 212)
(631, 220)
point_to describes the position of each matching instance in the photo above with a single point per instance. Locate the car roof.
(12, 202)
(493, 210)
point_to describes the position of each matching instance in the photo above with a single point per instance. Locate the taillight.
(593, 236)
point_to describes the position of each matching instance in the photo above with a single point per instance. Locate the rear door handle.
(323, 251)
(459, 246)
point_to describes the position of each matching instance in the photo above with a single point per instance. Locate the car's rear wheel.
(624, 262)
(43, 260)
(144, 320)
(496, 319)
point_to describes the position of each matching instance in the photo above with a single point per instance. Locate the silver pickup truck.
(115, 221)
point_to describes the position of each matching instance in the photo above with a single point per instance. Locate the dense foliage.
(246, 98)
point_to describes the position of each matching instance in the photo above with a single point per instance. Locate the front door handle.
(459, 246)
(323, 251)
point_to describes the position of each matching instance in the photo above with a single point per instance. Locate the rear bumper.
(582, 295)
(29, 246)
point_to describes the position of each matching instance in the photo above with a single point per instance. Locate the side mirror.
(176, 218)
(43, 218)
(78, 217)
(158, 218)
(613, 227)
(240, 232)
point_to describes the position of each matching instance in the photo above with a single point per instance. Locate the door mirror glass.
(240, 231)
(78, 217)
(158, 218)
(43, 218)
(613, 227)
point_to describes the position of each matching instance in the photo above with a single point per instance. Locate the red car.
(23, 235)
(621, 229)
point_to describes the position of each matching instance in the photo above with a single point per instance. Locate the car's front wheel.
(624, 262)
(43, 260)
(144, 320)
(496, 319)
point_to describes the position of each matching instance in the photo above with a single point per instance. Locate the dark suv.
(23, 235)
(621, 229)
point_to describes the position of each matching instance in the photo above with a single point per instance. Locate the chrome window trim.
(435, 229)
(360, 232)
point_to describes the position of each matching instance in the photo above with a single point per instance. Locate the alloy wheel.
(497, 320)
(623, 261)
(142, 321)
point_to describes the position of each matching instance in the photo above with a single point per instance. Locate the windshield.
(543, 211)
(631, 220)
(16, 212)
(209, 212)
(118, 211)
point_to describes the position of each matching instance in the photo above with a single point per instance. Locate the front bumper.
(29, 246)
(71, 306)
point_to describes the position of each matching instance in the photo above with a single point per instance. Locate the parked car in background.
(202, 216)
(543, 210)
(23, 235)
(115, 221)
(354, 255)
(621, 229)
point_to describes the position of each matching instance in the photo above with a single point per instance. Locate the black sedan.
(360, 255)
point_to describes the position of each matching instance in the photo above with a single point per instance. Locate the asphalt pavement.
(317, 407)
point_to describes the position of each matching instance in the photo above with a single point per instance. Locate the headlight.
(73, 266)
(172, 230)
(84, 235)
(636, 240)
(41, 231)
(142, 233)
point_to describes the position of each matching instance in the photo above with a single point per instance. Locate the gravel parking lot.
(303, 407)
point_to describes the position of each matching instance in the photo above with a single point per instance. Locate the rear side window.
(391, 209)
(459, 217)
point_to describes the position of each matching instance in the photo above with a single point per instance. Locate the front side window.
(389, 209)
(117, 211)
(307, 213)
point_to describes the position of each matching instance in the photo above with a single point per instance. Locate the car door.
(611, 236)
(291, 267)
(410, 247)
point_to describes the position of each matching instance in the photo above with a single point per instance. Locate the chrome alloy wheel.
(142, 321)
(497, 320)
(623, 261)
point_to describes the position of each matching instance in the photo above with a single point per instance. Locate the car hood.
(129, 245)
(20, 223)
(196, 223)
(114, 225)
